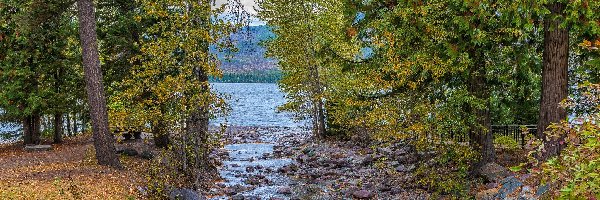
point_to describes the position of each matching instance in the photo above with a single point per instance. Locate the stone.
(252, 197)
(38, 147)
(509, 185)
(237, 197)
(404, 168)
(487, 194)
(129, 152)
(184, 194)
(148, 155)
(234, 189)
(492, 172)
(363, 194)
(542, 189)
(367, 160)
(284, 190)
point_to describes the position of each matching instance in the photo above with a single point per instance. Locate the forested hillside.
(247, 62)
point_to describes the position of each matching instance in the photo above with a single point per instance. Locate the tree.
(103, 140)
(306, 32)
(562, 21)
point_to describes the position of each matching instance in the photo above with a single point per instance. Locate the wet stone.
(363, 194)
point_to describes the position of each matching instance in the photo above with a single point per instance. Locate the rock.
(509, 185)
(184, 194)
(252, 197)
(148, 155)
(284, 190)
(407, 159)
(249, 169)
(492, 172)
(128, 152)
(404, 168)
(38, 147)
(142, 190)
(127, 136)
(367, 160)
(276, 198)
(234, 189)
(542, 189)
(487, 194)
(237, 197)
(363, 194)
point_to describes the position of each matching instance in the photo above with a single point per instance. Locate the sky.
(249, 6)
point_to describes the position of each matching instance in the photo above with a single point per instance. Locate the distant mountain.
(250, 56)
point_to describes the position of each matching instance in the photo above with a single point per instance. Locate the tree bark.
(161, 136)
(27, 131)
(69, 130)
(58, 128)
(103, 140)
(481, 136)
(554, 77)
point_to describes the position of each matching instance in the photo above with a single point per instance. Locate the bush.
(506, 142)
(574, 174)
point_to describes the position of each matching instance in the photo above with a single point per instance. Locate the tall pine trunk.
(554, 77)
(103, 140)
(58, 128)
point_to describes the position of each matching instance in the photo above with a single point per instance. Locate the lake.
(252, 104)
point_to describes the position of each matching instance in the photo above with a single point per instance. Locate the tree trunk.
(58, 127)
(161, 136)
(27, 132)
(320, 120)
(103, 140)
(69, 130)
(481, 136)
(75, 128)
(554, 77)
(197, 123)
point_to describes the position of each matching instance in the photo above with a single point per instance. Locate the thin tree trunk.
(75, 128)
(58, 128)
(554, 77)
(69, 130)
(103, 140)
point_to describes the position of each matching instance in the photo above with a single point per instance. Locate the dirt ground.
(69, 171)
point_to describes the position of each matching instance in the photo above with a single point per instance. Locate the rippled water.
(254, 104)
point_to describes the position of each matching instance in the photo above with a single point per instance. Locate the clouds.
(249, 6)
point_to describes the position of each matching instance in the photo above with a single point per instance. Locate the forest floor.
(68, 171)
(268, 163)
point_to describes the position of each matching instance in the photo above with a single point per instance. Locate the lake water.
(254, 104)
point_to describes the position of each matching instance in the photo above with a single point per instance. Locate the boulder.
(128, 152)
(148, 155)
(363, 194)
(184, 194)
(492, 172)
(284, 190)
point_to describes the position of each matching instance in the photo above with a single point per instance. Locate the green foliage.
(575, 170)
(447, 172)
(506, 142)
